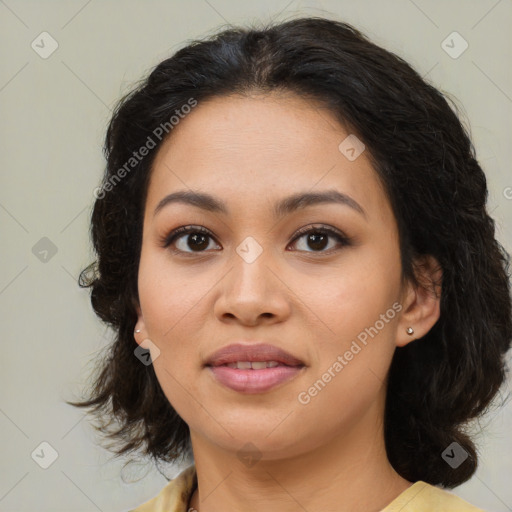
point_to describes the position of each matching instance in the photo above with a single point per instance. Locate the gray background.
(54, 112)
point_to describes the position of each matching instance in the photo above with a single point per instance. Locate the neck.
(350, 473)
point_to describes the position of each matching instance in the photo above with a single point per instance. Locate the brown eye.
(189, 239)
(317, 239)
(197, 239)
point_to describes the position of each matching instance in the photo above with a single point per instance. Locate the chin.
(263, 441)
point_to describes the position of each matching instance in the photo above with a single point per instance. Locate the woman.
(308, 297)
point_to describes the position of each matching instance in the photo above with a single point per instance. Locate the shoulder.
(175, 496)
(423, 497)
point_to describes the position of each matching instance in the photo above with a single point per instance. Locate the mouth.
(253, 365)
(253, 368)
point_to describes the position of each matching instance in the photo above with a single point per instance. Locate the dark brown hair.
(438, 192)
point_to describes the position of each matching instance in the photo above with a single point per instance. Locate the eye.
(317, 238)
(188, 239)
(196, 239)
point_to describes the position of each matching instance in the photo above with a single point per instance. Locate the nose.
(252, 293)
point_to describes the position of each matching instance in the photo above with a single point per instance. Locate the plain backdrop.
(54, 112)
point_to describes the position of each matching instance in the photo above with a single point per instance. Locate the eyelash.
(177, 233)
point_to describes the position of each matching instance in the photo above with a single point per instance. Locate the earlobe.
(139, 333)
(422, 307)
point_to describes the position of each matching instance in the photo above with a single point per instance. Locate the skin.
(328, 454)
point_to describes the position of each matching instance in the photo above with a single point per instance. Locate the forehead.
(251, 148)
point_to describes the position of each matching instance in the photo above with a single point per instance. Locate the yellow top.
(419, 497)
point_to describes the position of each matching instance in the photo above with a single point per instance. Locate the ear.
(140, 326)
(422, 303)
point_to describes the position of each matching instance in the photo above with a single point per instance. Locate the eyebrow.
(283, 207)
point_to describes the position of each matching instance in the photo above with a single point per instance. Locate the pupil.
(198, 239)
(315, 239)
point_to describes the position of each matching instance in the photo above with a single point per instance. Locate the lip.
(253, 381)
(256, 352)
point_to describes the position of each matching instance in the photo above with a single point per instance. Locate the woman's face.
(333, 303)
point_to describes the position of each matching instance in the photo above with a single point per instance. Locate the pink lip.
(254, 381)
(250, 380)
(258, 352)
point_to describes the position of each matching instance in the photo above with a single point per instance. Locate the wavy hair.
(426, 161)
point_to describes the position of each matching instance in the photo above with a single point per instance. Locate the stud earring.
(409, 331)
(137, 330)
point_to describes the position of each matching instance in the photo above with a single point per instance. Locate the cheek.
(356, 292)
(169, 295)
(170, 301)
